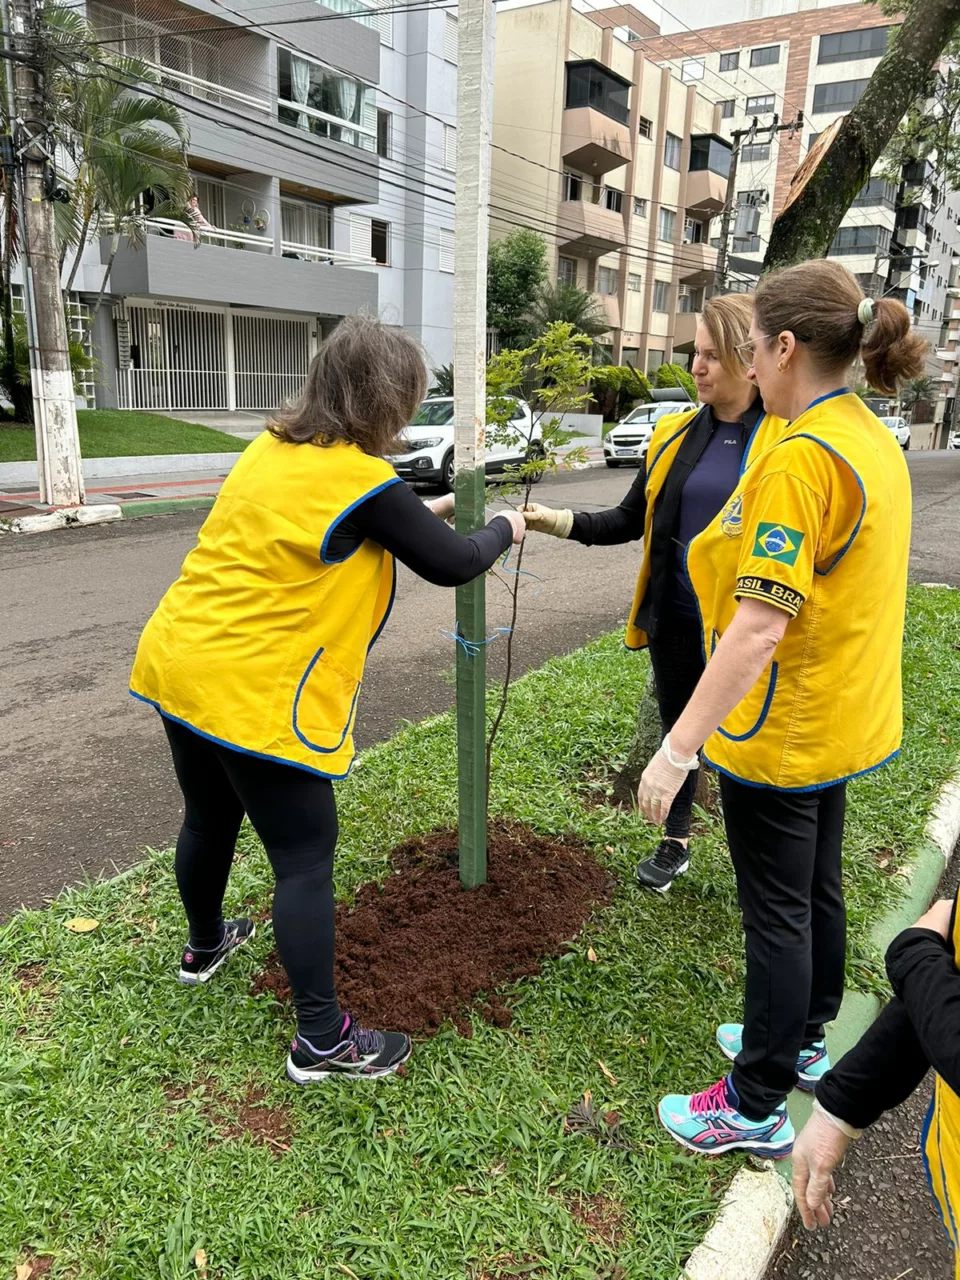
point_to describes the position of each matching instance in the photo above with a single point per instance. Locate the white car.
(901, 430)
(954, 441)
(429, 440)
(626, 444)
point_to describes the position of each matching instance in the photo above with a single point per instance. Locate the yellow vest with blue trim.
(819, 526)
(665, 443)
(940, 1142)
(260, 644)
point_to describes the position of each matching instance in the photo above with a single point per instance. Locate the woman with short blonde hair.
(691, 467)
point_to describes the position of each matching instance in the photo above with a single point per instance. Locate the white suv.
(627, 442)
(429, 440)
(900, 429)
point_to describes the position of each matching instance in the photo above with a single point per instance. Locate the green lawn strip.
(462, 1169)
(118, 433)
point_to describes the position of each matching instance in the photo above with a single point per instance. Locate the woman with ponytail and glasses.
(801, 584)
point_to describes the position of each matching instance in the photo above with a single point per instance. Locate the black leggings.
(295, 815)
(676, 656)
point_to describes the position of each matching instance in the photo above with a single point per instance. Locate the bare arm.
(744, 651)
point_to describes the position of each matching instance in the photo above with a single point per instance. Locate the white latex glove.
(517, 523)
(547, 520)
(442, 507)
(816, 1153)
(662, 779)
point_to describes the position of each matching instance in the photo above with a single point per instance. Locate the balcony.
(233, 268)
(684, 331)
(706, 192)
(589, 230)
(947, 355)
(697, 263)
(592, 142)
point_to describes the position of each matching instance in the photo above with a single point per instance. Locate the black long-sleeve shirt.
(617, 525)
(919, 1029)
(397, 520)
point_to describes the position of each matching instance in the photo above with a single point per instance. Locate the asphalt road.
(88, 782)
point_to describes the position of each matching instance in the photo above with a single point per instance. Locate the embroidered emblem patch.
(731, 518)
(778, 542)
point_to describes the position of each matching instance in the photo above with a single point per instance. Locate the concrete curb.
(47, 521)
(743, 1239)
(154, 464)
(165, 506)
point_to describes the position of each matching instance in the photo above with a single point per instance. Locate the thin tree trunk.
(114, 247)
(806, 229)
(87, 218)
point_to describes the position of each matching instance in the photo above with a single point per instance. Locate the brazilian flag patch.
(778, 542)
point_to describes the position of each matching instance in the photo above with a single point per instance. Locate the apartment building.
(618, 163)
(322, 155)
(898, 238)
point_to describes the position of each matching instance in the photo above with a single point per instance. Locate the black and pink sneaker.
(359, 1055)
(199, 965)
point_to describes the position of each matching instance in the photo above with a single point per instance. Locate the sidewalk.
(139, 493)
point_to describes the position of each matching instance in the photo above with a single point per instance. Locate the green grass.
(462, 1170)
(118, 433)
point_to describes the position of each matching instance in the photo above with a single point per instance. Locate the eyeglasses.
(746, 351)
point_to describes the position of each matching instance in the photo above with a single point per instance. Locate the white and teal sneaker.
(812, 1064)
(709, 1123)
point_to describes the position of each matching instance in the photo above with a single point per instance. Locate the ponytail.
(890, 349)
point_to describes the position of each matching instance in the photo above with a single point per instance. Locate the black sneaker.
(670, 860)
(198, 965)
(360, 1055)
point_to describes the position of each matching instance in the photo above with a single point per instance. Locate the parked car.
(954, 441)
(429, 440)
(626, 444)
(901, 430)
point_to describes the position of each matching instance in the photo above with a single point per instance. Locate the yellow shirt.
(665, 443)
(260, 644)
(819, 526)
(940, 1142)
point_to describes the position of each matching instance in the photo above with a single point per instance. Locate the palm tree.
(922, 390)
(569, 304)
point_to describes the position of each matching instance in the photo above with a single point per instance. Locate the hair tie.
(865, 311)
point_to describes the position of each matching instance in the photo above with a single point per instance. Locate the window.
(847, 46)
(765, 57)
(367, 12)
(639, 207)
(634, 283)
(645, 127)
(606, 281)
(841, 95)
(690, 300)
(613, 199)
(450, 38)
(695, 231)
(446, 250)
(380, 241)
(671, 151)
(667, 228)
(572, 186)
(567, 270)
(761, 105)
(727, 108)
(212, 200)
(710, 152)
(306, 224)
(654, 359)
(449, 147)
(876, 191)
(692, 70)
(323, 102)
(384, 129)
(756, 152)
(661, 298)
(812, 139)
(746, 244)
(730, 61)
(850, 240)
(631, 356)
(755, 197)
(589, 85)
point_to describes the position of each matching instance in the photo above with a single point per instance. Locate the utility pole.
(55, 410)
(474, 109)
(742, 138)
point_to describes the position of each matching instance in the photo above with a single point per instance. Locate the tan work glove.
(546, 520)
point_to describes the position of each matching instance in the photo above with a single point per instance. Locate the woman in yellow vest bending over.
(801, 582)
(919, 1029)
(255, 656)
(693, 463)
